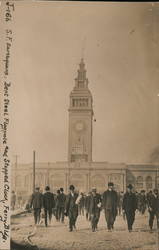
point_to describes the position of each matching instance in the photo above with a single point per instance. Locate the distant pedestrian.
(120, 202)
(37, 204)
(95, 208)
(48, 204)
(109, 204)
(87, 206)
(148, 196)
(81, 204)
(153, 208)
(19, 201)
(142, 202)
(13, 200)
(129, 206)
(57, 207)
(61, 205)
(71, 209)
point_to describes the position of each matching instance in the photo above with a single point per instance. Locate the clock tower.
(80, 119)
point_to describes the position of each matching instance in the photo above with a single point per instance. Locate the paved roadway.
(57, 236)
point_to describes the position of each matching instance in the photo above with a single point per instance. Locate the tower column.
(80, 119)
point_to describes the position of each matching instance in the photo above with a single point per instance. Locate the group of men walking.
(52, 205)
(72, 204)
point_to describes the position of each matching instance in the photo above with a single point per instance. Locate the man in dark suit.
(13, 200)
(109, 204)
(87, 206)
(57, 208)
(61, 200)
(129, 206)
(95, 208)
(48, 204)
(153, 208)
(37, 203)
(71, 209)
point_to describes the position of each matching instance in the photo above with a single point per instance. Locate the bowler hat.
(130, 186)
(47, 188)
(110, 184)
(61, 189)
(71, 187)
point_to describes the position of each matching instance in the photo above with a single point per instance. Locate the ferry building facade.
(80, 170)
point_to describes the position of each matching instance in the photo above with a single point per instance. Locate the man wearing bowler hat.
(62, 200)
(129, 206)
(109, 203)
(95, 208)
(153, 208)
(37, 204)
(49, 204)
(71, 209)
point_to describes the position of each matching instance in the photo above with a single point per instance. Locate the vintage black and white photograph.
(83, 125)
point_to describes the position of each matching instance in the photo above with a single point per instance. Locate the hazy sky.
(120, 42)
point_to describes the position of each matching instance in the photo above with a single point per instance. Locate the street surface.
(57, 237)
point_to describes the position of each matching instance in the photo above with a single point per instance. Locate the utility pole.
(48, 175)
(33, 171)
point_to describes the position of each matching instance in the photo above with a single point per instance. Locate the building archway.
(118, 180)
(149, 184)
(98, 182)
(78, 180)
(56, 182)
(139, 182)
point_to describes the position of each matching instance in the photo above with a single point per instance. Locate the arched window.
(139, 182)
(148, 182)
(56, 181)
(78, 180)
(98, 182)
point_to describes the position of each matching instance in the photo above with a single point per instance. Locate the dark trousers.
(88, 217)
(130, 217)
(95, 219)
(37, 212)
(142, 208)
(110, 218)
(48, 212)
(57, 213)
(61, 214)
(73, 214)
(152, 216)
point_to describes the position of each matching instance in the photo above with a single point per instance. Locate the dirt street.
(57, 236)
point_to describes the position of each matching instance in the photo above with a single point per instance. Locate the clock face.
(79, 126)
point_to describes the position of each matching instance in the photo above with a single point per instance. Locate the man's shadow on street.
(145, 230)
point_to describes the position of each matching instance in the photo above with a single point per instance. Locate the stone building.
(80, 170)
